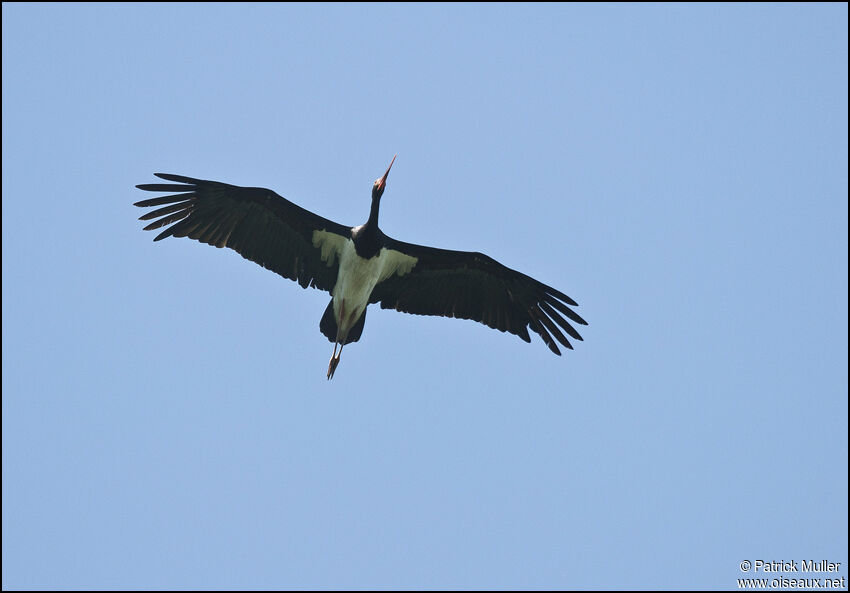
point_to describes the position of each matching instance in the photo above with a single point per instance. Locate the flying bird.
(359, 265)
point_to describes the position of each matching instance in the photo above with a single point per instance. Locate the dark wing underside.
(255, 222)
(474, 286)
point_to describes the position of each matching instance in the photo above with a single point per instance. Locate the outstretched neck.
(373, 213)
(367, 237)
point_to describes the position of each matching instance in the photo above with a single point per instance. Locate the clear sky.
(680, 171)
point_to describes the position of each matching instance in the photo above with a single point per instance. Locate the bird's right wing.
(469, 285)
(255, 222)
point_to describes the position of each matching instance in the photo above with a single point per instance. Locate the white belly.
(357, 276)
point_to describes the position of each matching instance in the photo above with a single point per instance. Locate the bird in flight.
(359, 265)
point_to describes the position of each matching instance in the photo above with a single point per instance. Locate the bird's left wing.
(470, 285)
(255, 222)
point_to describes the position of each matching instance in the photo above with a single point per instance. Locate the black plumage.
(255, 222)
(469, 285)
(299, 245)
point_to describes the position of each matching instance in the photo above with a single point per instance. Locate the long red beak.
(383, 180)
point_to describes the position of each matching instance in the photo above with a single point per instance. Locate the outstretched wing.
(255, 222)
(474, 286)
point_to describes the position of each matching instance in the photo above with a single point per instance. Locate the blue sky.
(680, 171)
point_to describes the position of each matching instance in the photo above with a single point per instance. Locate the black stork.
(359, 265)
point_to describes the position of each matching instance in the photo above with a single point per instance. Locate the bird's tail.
(329, 328)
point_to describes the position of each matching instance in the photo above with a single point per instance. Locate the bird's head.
(381, 183)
